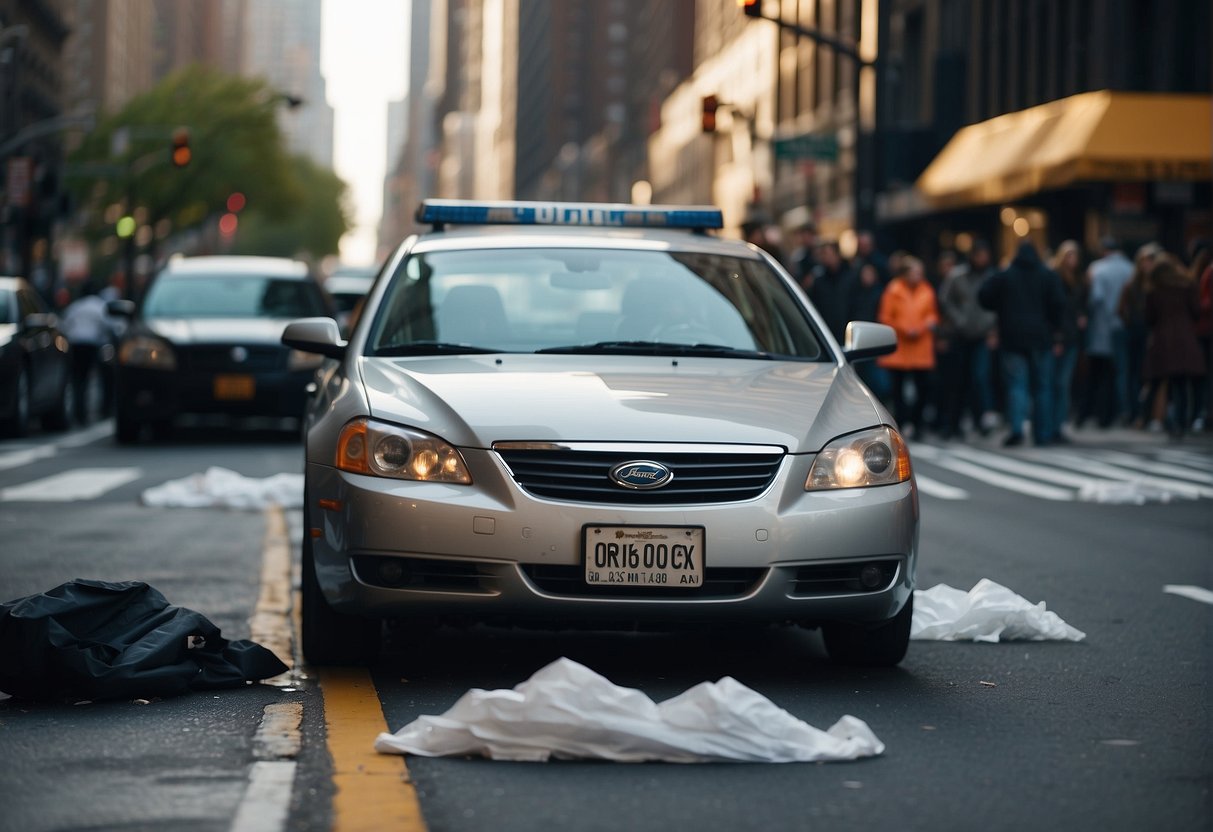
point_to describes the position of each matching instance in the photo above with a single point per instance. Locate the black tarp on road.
(99, 640)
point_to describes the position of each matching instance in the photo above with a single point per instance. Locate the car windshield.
(231, 296)
(589, 300)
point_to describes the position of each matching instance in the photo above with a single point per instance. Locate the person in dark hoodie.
(1029, 300)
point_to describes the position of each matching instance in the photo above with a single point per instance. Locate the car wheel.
(18, 423)
(126, 429)
(882, 645)
(330, 637)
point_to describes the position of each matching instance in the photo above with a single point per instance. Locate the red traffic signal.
(751, 8)
(181, 147)
(710, 103)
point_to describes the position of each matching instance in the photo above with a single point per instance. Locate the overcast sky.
(363, 59)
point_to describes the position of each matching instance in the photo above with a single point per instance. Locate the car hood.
(218, 330)
(474, 401)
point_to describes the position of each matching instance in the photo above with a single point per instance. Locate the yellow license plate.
(235, 388)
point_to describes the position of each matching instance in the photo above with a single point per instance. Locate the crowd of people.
(1041, 344)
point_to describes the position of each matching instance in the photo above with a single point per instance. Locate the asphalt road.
(1110, 733)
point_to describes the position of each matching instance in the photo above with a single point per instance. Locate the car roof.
(280, 267)
(12, 284)
(623, 239)
(348, 283)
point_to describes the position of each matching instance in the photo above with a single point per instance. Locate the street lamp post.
(866, 155)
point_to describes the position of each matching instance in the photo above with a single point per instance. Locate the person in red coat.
(908, 305)
(1173, 352)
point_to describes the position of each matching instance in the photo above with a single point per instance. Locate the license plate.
(234, 388)
(643, 556)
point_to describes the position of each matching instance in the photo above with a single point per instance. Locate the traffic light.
(181, 147)
(710, 103)
(751, 8)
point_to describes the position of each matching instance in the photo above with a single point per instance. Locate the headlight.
(872, 457)
(300, 360)
(366, 447)
(147, 351)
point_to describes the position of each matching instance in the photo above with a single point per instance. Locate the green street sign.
(807, 146)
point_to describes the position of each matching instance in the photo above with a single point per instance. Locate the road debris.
(988, 612)
(223, 488)
(567, 711)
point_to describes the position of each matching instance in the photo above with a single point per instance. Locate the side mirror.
(319, 335)
(121, 308)
(39, 320)
(865, 339)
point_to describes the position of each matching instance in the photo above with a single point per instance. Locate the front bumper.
(493, 552)
(151, 395)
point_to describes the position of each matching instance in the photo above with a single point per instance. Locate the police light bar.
(440, 212)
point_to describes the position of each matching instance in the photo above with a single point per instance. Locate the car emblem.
(641, 474)
(239, 355)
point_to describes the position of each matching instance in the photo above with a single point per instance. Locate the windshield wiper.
(656, 348)
(433, 348)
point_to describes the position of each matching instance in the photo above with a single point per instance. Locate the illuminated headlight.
(381, 450)
(871, 457)
(300, 360)
(147, 351)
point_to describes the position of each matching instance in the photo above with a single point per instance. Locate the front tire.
(330, 637)
(880, 645)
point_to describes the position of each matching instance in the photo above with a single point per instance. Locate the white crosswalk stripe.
(71, 486)
(1083, 475)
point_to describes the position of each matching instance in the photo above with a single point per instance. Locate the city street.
(1109, 733)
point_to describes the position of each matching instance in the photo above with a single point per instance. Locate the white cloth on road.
(987, 612)
(568, 711)
(223, 488)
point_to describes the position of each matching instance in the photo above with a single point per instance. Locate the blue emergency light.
(440, 212)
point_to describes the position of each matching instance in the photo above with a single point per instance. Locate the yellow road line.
(373, 790)
(270, 625)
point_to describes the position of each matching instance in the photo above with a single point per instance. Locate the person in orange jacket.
(908, 305)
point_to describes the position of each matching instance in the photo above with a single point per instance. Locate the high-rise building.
(282, 45)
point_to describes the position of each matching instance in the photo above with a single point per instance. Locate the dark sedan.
(205, 340)
(34, 361)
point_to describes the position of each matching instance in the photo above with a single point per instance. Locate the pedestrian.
(1067, 265)
(867, 253)
(1028, 299)
(803, 257)
(1201, 273)
(830, 287)
(1174, 354)
(1131, 309)
(863, 304)
(1107, 348)
(966, 382)
(908, 305)
(91, 332)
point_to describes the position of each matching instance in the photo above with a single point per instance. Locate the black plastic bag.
(98, 640)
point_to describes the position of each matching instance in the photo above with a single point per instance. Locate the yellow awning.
(1092, 137)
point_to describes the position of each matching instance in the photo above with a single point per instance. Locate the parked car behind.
(205, 340)
(35, 369)
(586, 415)
(347, 286)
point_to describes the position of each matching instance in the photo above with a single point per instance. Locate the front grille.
(718, 582)
(582, 476)
(217, 358)
(421, 573)
(841, 578)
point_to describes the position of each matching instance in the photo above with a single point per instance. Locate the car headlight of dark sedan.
(147, 351)
(382, 450)
(872, 457)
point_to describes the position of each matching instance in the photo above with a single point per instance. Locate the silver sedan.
(589, 415)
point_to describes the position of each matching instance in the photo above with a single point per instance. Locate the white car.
(599, 415)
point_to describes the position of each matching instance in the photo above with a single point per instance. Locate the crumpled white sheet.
(987, 612)
(223, 488)
(568, 711)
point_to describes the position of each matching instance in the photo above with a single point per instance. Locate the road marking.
(25, 456)
(1027, 469)
(70, 486)
(373, 790)
(85, 436)
(1196, 593)
(935, 488)
(270, 625)
(267, 800)
(1080, 463)
(1010, 483)
(1145, 466)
